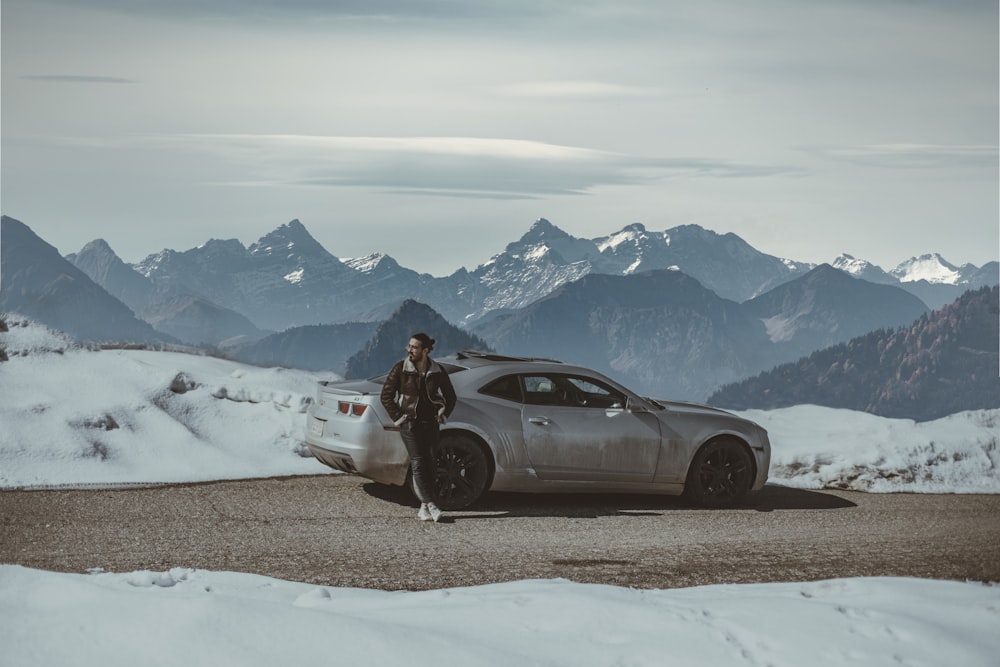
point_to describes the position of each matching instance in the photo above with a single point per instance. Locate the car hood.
(700, 409)
(696, 409)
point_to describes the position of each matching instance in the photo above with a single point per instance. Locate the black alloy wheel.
(721, 474)
(462, 471)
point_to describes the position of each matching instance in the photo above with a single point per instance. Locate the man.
(419, 397)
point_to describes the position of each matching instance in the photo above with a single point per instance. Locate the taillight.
(353, 409)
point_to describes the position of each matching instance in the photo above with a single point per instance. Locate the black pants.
(421, 439)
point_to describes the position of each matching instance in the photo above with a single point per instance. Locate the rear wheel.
(462, 471)
(721, 474)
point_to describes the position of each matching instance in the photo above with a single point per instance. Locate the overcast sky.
(438, 131)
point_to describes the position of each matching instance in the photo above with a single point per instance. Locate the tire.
(721, 474)
(463, 471)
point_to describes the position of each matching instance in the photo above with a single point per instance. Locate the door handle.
(543, 421)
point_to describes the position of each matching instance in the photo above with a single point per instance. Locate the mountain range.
(288, 279)
(675, 313)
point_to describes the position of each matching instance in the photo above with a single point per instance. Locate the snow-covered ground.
(77, 417)
(196, 617)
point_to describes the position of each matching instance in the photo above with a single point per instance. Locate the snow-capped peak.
(931, 267)
(863, 269)
(542, 230)
(370, 262)
(850, 264)
(288, 240)
(630, 234)
(148, 266)
(796, 267)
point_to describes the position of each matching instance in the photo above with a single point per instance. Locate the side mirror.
(637, 408)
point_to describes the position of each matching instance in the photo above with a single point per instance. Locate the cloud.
(575, 89)
(73, 78)
(552, 21)
(444, 166)
(911, 156)
(391, 10)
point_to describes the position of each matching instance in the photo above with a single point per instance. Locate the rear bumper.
(362, 448)
(336, 460)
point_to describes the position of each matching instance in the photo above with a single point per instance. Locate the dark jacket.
(399, 393)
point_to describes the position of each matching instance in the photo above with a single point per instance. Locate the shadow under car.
(498, 505)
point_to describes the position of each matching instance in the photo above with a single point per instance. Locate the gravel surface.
(340, 530)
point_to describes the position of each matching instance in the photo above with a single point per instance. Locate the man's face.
(415, 351)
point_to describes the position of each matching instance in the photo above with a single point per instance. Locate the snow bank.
(815, 447)
(72, 415)
(197, 617)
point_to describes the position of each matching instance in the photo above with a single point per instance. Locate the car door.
(578, 428)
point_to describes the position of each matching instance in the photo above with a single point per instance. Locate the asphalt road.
(344, 531)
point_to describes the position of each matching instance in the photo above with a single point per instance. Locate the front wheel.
(721, 474)
(462, 471)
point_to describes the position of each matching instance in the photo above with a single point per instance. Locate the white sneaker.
(424, 513)
(435, 511)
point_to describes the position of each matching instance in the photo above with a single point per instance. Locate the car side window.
(556, 389)
(589, 393)
(541, 390)
(507, 387)
(570, 391)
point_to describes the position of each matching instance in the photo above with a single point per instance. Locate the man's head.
(419, 347)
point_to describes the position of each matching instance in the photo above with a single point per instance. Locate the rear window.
(508, 387)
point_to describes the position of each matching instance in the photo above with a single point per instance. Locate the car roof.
(485, 361)
(475, 359)
(492, 357)
(482, 363)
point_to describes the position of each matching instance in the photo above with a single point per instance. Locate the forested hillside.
(388, 345)
(946, 362)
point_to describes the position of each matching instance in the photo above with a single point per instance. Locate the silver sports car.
(537, 425)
